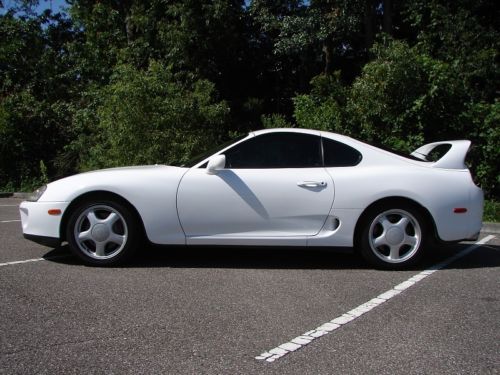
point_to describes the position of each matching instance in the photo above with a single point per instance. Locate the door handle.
(311, 184)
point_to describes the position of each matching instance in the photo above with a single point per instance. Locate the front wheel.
(102, 232)
(394, 238)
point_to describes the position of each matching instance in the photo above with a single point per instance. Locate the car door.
(273, 186)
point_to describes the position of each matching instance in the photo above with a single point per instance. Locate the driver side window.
(276, 150)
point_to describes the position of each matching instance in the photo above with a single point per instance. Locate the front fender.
(151, 191)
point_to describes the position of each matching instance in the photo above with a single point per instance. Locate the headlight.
(37, 193)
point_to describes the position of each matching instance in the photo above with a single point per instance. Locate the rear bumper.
(452, 226)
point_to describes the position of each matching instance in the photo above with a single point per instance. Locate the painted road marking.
(308, 337)
(32, 260)
(10, 221)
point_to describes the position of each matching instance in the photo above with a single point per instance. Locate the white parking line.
(306, 338)
(33, 260)
(21, 261)
(10, 221)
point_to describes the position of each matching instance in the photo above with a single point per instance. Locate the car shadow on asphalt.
(487, 256)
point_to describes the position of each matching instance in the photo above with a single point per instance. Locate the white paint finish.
(264, 356)
(290, 346)
(417, 278)
(278, 351)
(404, 285)
(428, 272)
(269, 205)
(376, 301)
(151, 190)
(253, 203)
(358, 187)
(36, 220)
(343, 235)
(301, 340)
(343, 319)
(389, 294)
(453, 159)
(10, 221)
(318, 333)
(329, 327)
(21, 262)
(31, 260)
(350, 316)
(360, 310)
(215, 164)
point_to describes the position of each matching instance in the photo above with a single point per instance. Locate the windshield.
(195, 160)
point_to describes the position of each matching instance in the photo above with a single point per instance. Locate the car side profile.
(274, 187)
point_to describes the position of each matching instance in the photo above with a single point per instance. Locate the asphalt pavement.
(176, 310)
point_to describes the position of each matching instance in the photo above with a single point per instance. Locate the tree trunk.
(327, 51)
(369, 24)
(124, 8)
(387, 27)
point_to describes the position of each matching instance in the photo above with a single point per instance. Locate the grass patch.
(491, 211)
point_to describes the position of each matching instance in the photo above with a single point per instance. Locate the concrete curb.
(491, 228)
(21, 195)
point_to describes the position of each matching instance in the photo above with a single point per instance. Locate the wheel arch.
(99, 194)
(392, 201)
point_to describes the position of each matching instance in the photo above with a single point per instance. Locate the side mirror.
(216, 163)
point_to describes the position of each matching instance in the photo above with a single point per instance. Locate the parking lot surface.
(226, 311)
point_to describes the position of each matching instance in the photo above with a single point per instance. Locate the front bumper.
(38, 225)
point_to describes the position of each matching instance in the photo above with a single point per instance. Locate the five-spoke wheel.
(102, 233)
(393, 237)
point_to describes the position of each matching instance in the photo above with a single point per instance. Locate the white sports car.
(279, 187)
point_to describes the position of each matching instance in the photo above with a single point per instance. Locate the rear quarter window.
(338, 154)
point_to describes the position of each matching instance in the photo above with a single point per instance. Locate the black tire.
(394, 236)
(102, 232)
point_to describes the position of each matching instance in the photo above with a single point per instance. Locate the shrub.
(145, 117)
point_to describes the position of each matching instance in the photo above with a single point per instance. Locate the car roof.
(357, 144)
(336, 136)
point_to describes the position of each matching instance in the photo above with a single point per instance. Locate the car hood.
(128, 169)
(116, 180)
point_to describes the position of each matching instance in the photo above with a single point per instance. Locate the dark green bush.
(145, 117)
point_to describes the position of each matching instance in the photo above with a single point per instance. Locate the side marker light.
(460, 210)
(54, 212)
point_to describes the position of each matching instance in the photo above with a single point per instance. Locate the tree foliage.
(36, 89)
(324, 107)
(133, 82)
(148, 116)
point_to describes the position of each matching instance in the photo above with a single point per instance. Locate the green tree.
(148, 116)
(324, 107)
(36, 89)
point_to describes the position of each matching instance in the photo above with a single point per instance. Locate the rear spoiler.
(454, 158)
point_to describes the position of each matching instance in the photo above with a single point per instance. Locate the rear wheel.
(102, 232)
(394, 238)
